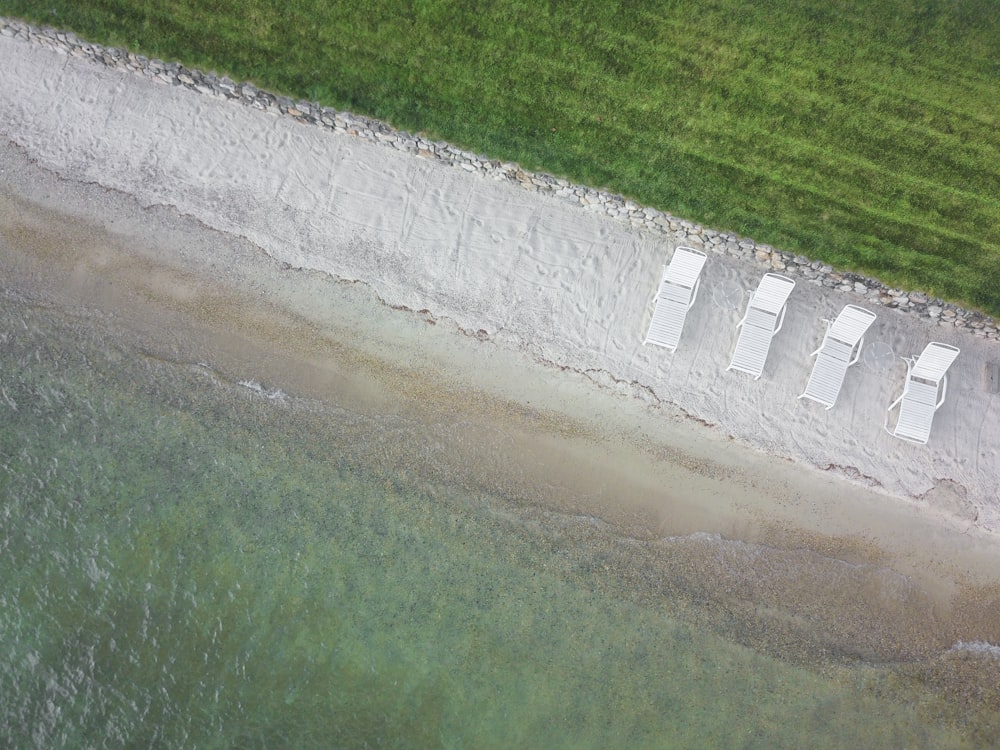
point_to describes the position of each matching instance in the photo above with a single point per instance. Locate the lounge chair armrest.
(826, 334)
(906, 388)
(694, 292)
(781, 320)
(895, 403)
(944, 392)
(861, 345)
(749, 302)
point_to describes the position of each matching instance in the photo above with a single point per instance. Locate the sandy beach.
(513, 323)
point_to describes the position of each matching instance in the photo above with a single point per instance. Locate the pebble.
(312, 114)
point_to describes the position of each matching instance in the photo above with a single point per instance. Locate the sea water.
(188, 560)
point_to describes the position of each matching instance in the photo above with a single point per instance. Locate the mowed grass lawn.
(865, 133)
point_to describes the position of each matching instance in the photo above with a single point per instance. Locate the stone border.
(680, 230)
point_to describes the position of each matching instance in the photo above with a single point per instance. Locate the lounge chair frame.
(841, 348)
(923, 394)
(676, 295)
(763, 319)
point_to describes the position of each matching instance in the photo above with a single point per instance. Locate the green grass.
(864, 133)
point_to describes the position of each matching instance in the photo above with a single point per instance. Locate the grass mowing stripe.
(785, 179)
(801, 161)
(802, 158)
(951, 167)
(955, 155)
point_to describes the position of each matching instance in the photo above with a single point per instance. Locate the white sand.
(565, 286)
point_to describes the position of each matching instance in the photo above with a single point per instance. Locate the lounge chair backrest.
(772, 293)
(851, 324)
(934, 361)
(685, 266)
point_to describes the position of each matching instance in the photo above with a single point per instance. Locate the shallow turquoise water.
(190, 562)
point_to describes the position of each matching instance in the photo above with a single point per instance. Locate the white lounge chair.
(840, 349)
(762, 320)
(677, 293)
(924, 392)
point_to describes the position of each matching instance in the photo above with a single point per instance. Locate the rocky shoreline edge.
(679, 230)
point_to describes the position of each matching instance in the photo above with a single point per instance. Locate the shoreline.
(669, 489)
(527, 271)
(666, 449)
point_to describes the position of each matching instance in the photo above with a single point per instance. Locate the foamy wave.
(697, 536)
(275, 394)
(978, 647)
